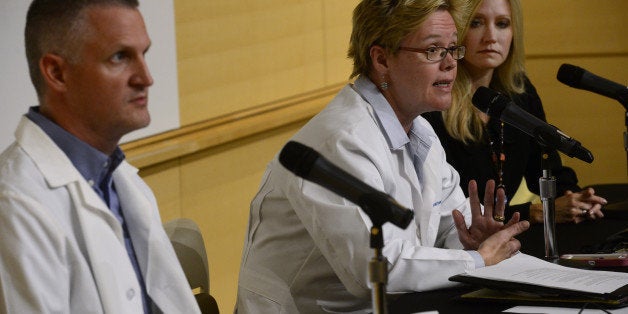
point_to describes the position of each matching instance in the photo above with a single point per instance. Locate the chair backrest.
(187, 240)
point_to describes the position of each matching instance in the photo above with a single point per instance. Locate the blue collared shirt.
(97, 168)
(393, 131)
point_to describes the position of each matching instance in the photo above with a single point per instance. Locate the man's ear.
(52, 67)
(379, 59)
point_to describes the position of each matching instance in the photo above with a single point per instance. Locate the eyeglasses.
(439, 53)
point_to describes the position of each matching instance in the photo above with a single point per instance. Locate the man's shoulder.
(16, 163)
(19, 172)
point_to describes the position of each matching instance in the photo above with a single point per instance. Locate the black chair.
(187, 240)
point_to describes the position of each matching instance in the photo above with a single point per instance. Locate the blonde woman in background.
(482, 148)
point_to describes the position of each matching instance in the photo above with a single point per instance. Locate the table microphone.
(308, 164)
(501, 107)
(580, 78)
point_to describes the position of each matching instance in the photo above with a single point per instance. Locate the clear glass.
(439, 53)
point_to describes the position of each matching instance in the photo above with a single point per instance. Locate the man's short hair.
(54, 26)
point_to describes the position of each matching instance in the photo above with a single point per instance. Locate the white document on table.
(523, 268)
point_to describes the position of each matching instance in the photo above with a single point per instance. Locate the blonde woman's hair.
(386, 23)
(461, 120)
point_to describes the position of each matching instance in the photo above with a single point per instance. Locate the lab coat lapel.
(163, 276)
(111, 267)
(136, 212)
(59, 171)
(426, 218)
(430, 216)
(90, 202)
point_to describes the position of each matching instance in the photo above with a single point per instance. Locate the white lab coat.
(63, 250)
(307, 249)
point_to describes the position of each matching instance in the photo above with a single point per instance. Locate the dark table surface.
(445, 301)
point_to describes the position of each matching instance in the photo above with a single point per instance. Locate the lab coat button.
(130, 293)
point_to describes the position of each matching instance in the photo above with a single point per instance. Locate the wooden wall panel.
(589, 34)
(337, 32)
(165, 181)
(575, 27)
(234, 55)
(596, 121)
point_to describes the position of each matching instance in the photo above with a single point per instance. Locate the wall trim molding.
(231, 127)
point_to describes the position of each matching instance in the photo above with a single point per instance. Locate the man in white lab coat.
(307, 249)
(80, 231)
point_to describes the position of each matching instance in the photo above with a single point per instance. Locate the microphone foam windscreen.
(570, 75)
(482, 98)
(490, 102)
(298, 158)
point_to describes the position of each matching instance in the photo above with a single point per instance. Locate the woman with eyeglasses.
(482, 148)
(307, 248)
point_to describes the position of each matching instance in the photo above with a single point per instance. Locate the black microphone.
(501, 107)
(308, 164)
(580, 78)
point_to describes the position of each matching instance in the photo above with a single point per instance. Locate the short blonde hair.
(386, 23)
(461, 120)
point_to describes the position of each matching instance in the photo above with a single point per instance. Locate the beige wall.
(234, 55)
(251, 75)
(589, 34)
